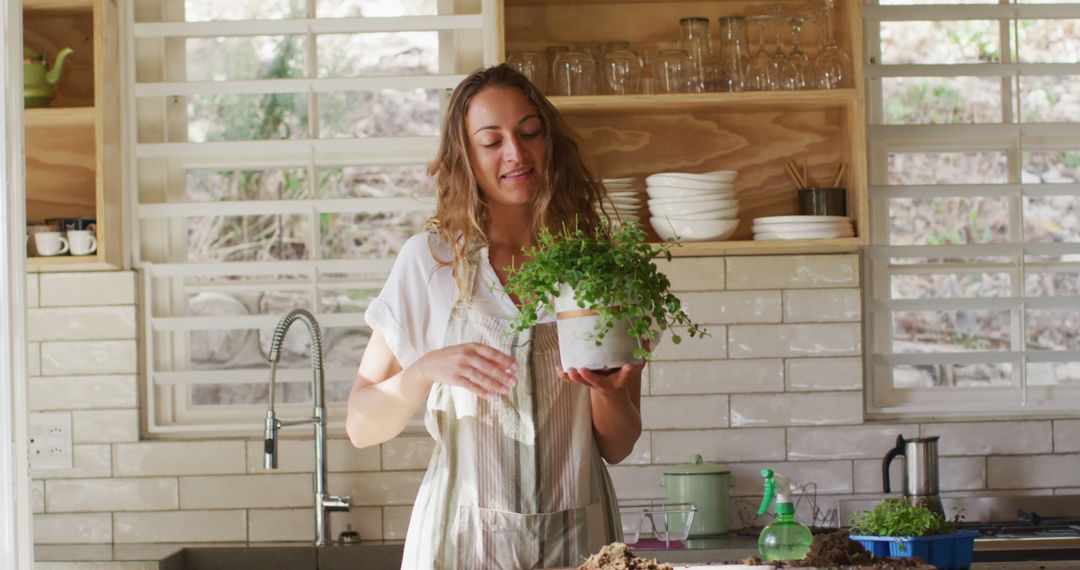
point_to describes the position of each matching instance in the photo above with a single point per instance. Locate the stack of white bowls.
(802, 227)
(622, 198)
(694, 207)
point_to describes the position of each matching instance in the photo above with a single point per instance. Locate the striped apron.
(515, 482)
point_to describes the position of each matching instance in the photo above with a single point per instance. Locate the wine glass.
(798, 71)
(832, 63)
(758, 77)
(778, 59)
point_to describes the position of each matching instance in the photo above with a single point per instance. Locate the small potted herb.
(904, 528)
(610, 300)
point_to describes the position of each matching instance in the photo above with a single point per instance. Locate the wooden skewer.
(805, 173)
(839, 176)
(793, 172)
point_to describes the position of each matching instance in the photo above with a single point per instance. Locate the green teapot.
(38, 79)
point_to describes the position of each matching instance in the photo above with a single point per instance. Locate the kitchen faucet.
(324, 504)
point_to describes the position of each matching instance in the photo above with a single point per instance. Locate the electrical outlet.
(50, 440)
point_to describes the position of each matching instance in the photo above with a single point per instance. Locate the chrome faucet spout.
(324, 503)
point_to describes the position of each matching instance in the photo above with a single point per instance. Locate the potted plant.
(610, 300)
(903, 528)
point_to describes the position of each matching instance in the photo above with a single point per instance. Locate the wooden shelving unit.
(753, 133)
(73, 146)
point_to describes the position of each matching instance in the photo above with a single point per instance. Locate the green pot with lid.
(707, 486)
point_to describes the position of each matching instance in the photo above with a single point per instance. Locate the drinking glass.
(673, 71)
(596, 52)
(694, 39)
(531, 64)
(758, 76)
(832, 63)
(778, 59)
(622, 72)
(549, 54)
(798, 72)
(733, 56)
(574, 73)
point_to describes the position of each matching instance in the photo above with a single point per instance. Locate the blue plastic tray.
(946, 551)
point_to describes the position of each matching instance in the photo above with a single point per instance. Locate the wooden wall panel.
(60, 170)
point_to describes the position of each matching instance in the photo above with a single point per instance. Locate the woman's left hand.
(607, 381)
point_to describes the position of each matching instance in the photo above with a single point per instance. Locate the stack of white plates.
(693, 207)
(802, 227)
(622, 198)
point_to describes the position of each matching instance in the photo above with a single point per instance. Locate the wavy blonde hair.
(568, 193)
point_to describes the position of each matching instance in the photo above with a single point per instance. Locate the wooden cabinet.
(751, 132)
(73, 146)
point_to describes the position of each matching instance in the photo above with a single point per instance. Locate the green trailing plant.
(900, 517)
(612, 272)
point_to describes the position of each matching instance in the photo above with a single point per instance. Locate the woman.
(516, 479)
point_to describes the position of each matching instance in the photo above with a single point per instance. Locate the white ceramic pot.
(577, 328)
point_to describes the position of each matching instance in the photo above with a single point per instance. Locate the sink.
(300, 557)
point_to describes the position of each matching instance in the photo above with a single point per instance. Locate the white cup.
(82, 242)
(50, 243)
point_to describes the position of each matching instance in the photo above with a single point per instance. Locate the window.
(278, 161)
(973, 274)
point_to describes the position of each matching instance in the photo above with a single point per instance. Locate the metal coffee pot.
(39, 78)
(920, 470)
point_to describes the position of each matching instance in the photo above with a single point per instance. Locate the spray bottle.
(785, 538)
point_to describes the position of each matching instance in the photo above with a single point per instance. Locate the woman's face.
(506, 145)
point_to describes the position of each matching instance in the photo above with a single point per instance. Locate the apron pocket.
(491, 539)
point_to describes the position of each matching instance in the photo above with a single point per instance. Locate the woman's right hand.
(478, 368)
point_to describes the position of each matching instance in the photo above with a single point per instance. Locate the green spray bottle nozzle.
(777, 486)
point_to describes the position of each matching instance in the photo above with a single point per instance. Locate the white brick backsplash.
(719, 446)
(141, 494)
(407, 452)
(806, 374)
(298, 456)
(1033, 471)
(396, 522)
(698, 348)
(37, 496)
(280, 525)
(81, 323)
(797, 409)
(830, 476)
(642, 452)
(732, 307)
(33, 287)
(179, 458)
(793, 272)
(240, 491)
(822, 305)
(855, 442)
(96, 288)
(88, 357)
(378, 489)
(87, 461)
(83, 392)
(367, 521)
(33, 358)
(638, 482)
(991, 438)
(684, 412)
(181, 526)
(87, 528)
(770, 341)
(716, 376)
(693, 273)
(961, 473)
(868, 475)
(104, 426)
(1067, 436)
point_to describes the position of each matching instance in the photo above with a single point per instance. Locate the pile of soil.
(617, 556)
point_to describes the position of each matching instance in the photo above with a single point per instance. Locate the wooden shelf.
(767, 247)
(68, 263)
(749, 100)
(60, 117)
(58, 5)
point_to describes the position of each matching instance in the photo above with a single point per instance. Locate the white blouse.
(413, 309)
